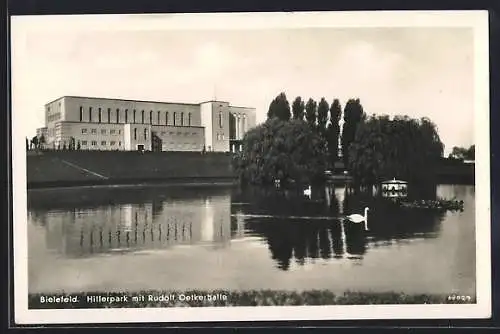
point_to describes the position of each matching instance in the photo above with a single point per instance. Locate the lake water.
(132, 239)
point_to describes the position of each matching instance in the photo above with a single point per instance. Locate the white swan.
(307, 192)
(357, 218)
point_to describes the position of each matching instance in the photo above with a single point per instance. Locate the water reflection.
(132, 227)
(294, 229)
(301, 241)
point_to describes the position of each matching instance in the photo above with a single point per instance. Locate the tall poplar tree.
(333, 131)
(279, 108)
(298, 107)
(322, 117)
(353, 115)
(311, 107)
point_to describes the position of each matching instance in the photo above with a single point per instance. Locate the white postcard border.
(478, 20)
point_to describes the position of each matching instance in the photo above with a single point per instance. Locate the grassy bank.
(83, 168)
(198, 298)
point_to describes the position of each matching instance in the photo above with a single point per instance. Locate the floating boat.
(439, 204)
(395, 188)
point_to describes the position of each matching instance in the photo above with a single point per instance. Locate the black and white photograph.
(250, 166)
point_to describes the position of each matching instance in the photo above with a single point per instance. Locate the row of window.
(103, 131)
(115, 132)
(163, 133)
(103, 143)
(134, 117)
(220, 136)
(114, 143)
(171, 133)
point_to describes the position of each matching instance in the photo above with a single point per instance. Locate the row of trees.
(39, 143)
(297, 143)
(35, 143)
(323, 119)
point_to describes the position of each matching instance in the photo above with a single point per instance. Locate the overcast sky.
(416, 71)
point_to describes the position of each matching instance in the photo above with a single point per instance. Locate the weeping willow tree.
(288, 151)
(402, 148)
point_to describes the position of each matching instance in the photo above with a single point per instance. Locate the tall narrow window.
(126, 115)
(135, 133)
(182, 119)
(189, 119)
(143, 117)
(158, 118)
(175, 116)
(220, 119)
(90, 114)
(100, 115)
(145, 134)
(117, 115)
(81, 114)
(166, 117)
(109, 115)
(151, 117)
(134, 116)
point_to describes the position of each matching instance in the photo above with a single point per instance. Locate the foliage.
(279, 108)
(42, 140)
(311, 107)
(353, 115)
(72, 143)
(403, 148)
(78, 146)
(322, 116)
(333, 131)
(156, 142)
(277, 150)
(461, 153)
(298, 107)
(34, 142)
(471, 153)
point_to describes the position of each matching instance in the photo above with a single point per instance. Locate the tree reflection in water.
(323, 233)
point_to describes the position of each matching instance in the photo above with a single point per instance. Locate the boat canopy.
(393, 181)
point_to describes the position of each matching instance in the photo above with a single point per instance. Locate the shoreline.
(164, 182)
(132, 183)
(225, 298)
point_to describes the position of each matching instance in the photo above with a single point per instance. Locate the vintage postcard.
(250, 167)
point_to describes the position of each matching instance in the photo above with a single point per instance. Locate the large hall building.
(114, 124)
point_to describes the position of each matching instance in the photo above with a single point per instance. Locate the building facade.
(91, 123)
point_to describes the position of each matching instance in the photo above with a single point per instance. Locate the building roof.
(241, 107)
(218, 101)
(142, 101)
(116, 99)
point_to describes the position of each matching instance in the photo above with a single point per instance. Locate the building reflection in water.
(213, 220)
(132, 227)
